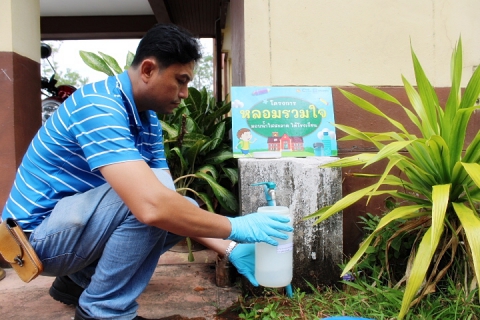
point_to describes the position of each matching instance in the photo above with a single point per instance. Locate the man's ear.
(147, 68)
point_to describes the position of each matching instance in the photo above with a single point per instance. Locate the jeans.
(94, 239)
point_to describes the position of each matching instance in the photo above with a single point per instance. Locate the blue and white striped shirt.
(97, 126)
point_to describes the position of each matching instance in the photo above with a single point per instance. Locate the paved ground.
(178, 290)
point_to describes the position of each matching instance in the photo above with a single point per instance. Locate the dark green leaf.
(206, 199)
(226, 199)
(232, 174)
(171, 132)
(183, 163)
(219, 157)
(194, 99)
(370, 249)
(210, 170)
(191, 153)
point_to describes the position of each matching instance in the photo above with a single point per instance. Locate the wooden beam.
(160, 11)
(95, 27)
(218, 56)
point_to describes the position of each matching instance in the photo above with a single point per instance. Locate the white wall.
(20, 27)
(335, 43)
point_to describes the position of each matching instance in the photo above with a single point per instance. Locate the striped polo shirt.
(96, 126)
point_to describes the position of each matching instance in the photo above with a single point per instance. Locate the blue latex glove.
(259, 227)
(243, 258)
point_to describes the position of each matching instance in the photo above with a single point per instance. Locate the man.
(95, 193)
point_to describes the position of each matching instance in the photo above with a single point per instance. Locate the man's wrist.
(229, 250)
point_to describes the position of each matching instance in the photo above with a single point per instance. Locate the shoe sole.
(67, 299)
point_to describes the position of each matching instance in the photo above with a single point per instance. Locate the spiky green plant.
(439, 186)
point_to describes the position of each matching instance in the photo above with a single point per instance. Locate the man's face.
(168, 87)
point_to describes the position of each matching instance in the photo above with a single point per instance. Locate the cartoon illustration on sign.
(245, 136)
(283, 121)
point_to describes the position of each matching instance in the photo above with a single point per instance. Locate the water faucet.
(269, 189)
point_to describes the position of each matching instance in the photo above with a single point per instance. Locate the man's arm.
(154, 204)
(218, 245)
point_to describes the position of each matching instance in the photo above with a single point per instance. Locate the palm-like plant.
(439, 184)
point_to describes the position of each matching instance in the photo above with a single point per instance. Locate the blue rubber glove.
(243, 258)
(259, 227)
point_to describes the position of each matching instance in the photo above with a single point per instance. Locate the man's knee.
(164, 177)
(191, 200)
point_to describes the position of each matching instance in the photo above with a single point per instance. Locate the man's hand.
(243, 258)
(259, 227)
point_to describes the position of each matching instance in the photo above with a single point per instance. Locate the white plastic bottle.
(274, 264)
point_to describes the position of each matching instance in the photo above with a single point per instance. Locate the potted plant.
(438, 190)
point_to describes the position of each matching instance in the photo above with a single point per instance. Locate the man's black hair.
(169, 44)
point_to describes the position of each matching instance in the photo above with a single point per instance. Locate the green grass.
(375, 293)
(360, 299)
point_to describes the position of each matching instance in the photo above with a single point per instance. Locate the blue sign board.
(272, 122)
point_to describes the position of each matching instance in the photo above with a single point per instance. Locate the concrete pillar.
(20, 103)
(304, 188)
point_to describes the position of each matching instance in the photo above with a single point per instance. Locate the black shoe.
(66, 291)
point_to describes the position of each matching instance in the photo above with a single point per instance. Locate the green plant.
(105, 63)
(387, 256)
(199, 151)
(439, 187)
(366, 298)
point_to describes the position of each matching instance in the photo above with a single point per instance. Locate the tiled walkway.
(178, 290)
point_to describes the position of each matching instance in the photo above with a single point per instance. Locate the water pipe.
(269, 189)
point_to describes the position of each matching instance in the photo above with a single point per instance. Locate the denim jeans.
(94, 239)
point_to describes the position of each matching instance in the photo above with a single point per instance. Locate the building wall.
(15, 29)
(336, 43)
(20, 104)
(234, 43)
